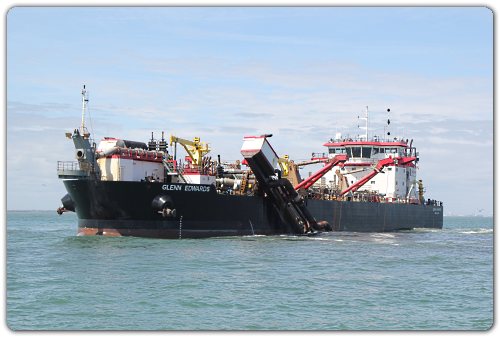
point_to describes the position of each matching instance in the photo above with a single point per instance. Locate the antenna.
(85, 101)
(365, 127)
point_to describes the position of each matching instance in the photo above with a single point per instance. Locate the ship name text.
(187, 188)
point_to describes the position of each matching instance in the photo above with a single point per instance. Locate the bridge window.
(348, 151)
(356, 151)
(336, 150)
(366, 151)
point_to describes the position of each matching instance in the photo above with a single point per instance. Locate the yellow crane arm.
(284, 165)
(181, 141)
(195, 148)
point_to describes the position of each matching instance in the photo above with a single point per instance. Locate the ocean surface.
(411, 280)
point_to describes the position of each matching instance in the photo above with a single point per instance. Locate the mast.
(365, 127)
(388, 123)
(85, 101)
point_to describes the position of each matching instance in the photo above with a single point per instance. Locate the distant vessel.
(132, 188)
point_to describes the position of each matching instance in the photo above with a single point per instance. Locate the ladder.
(180, 172)
(244, 182)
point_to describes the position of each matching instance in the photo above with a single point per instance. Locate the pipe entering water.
(251, 227)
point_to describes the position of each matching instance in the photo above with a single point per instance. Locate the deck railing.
(75, 166)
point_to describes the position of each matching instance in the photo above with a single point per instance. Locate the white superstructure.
(395, 181)
(129, 164)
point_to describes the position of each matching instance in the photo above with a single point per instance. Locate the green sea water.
(411, 280)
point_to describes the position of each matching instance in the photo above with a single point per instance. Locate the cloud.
(462, 141)
(14, 106)
(252, 115)
(322, 86)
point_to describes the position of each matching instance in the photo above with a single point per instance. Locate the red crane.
(339, 159)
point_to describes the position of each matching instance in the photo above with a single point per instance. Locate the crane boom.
(195, 149)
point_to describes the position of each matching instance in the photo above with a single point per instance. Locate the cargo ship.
(131, 188)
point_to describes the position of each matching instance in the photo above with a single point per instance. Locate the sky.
(224, 73)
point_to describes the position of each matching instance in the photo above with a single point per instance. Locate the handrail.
(320, 155)
(172, 167)
(75, 166)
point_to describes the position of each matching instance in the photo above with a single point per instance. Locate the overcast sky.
(225, 73)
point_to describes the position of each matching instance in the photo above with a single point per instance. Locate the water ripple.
(419, 279)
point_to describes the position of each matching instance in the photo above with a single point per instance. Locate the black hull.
(125, 209)
(374, 216)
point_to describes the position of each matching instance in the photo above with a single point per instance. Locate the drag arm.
(312, 179)
(380, 165)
